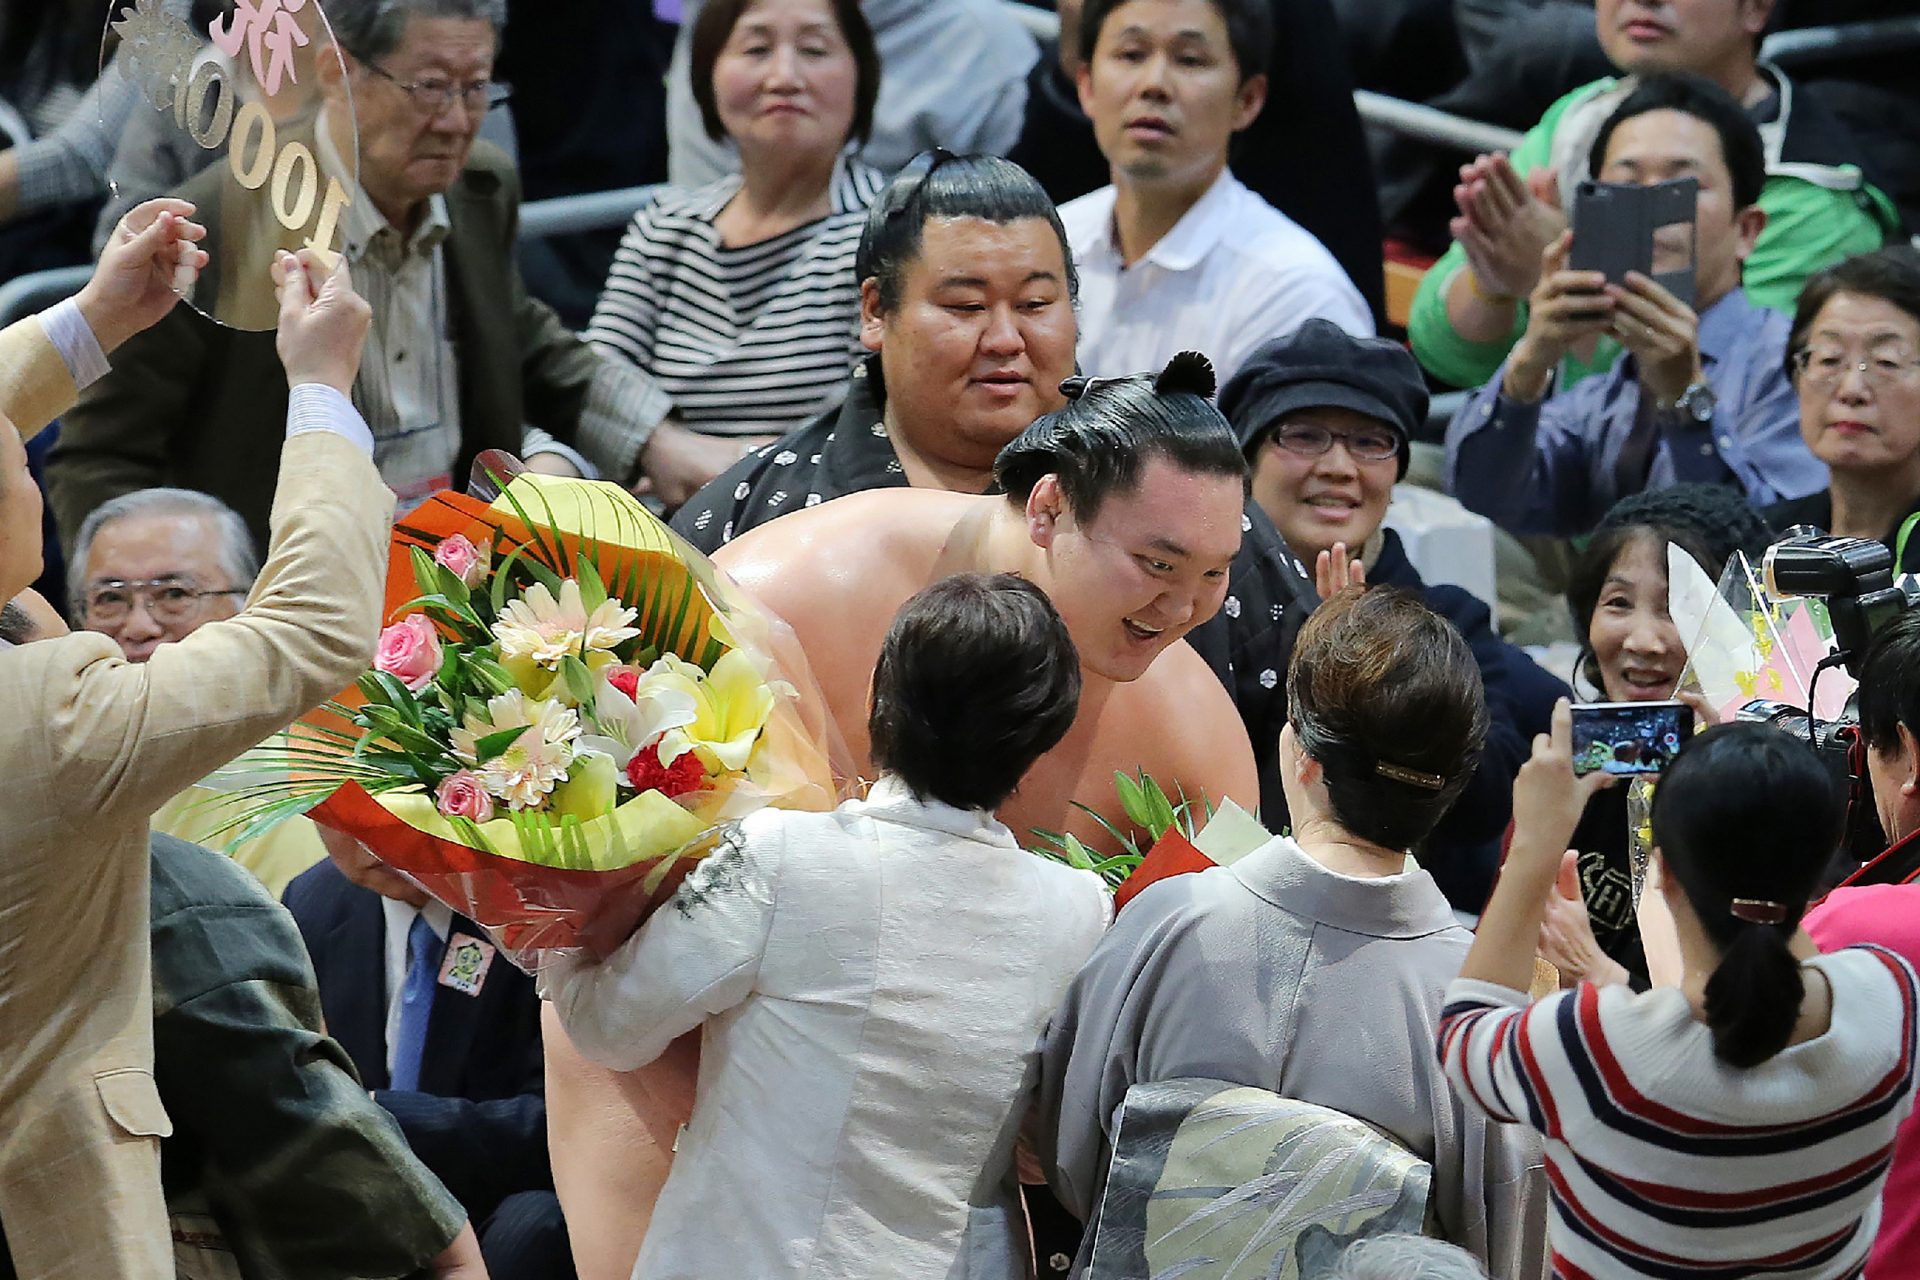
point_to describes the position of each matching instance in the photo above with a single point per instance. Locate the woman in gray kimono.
(1314, 967)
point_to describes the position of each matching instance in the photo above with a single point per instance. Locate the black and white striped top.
(748, 340)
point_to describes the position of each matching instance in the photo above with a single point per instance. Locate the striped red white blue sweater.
(1664, 1161)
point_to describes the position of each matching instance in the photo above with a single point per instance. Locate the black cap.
(1319, 365)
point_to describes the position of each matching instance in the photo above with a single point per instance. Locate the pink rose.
(461, 796)
(462, 558)
(409, 652)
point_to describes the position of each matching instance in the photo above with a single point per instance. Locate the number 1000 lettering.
(255, 158)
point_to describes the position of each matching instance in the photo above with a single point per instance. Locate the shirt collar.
(1408, 905)
(1191, 239)
(890, 800)
(400, 916)
(368, 229)
(364, 225)
(858, 454)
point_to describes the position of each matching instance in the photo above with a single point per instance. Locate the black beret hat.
(1320, 365)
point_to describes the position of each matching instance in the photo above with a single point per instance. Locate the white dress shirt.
(1231, 274)
(874, 983)
(399, 921)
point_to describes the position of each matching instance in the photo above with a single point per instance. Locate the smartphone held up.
(1629, 739)
(1623, 226)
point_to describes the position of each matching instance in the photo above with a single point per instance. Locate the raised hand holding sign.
(263, 83)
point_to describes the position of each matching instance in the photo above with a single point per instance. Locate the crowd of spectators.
(1050, 392)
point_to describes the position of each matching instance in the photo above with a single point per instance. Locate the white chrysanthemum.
(515, 710)
(523, 774)
(543, 630)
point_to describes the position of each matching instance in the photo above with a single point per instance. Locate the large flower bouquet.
(568, 705)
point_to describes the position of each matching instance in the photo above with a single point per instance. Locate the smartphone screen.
(1629, 738)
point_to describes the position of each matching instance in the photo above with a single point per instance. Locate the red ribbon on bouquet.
(1172, 855)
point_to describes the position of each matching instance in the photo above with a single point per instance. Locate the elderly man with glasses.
(151, 566)
(460, 359)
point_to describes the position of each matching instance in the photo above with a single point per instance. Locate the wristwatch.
(1695, 404)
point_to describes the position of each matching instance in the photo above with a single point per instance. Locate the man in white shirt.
(1177, 253)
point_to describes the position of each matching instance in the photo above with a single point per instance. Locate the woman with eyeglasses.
(739, 298)
(1324, 418)
(1854, 356)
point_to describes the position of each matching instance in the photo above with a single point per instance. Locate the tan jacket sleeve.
(120, 738)
(35, 387)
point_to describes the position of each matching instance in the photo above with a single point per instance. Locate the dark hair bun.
(1187, 371)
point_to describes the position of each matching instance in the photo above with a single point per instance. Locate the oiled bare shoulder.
(1199, 730)
(840, 549)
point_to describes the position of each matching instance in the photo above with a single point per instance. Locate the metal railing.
(22, 296)
(1041, 24)
(1842, 40)
(563, 215)
(1428, 124)
(566, 215)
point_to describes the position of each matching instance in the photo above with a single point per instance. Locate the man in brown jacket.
(459, 360)
(95, 744)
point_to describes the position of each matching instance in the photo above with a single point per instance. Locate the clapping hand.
(1334, 572)
(1505, 223)
(1661, 331)
(1567, 941)
(152, 256)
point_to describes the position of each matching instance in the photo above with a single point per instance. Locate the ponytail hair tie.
(1758, 911)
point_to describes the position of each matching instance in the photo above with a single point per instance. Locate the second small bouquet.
(568, 705)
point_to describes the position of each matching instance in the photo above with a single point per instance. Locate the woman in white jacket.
(874, 981)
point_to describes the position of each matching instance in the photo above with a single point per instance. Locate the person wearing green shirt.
(1471, 308)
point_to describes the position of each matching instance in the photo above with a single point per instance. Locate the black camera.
(1854, 577)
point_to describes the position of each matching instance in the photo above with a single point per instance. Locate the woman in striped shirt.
(739, 297)
(1741, 1124)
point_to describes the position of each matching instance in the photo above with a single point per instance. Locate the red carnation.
(626, 680)
(646, 773)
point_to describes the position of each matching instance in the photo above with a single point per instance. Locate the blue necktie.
(416, 1003)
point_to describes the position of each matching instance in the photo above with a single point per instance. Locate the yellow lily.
(731, 706)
